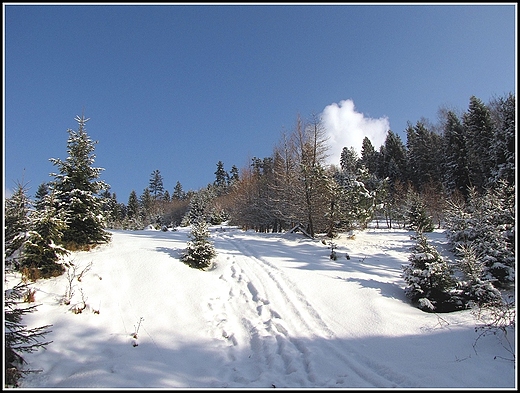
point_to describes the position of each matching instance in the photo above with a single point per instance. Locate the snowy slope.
(274, 310)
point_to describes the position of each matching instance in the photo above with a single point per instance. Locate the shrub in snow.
(200, 250)
(429, 278)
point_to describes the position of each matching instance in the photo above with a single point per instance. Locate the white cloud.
(347, 128)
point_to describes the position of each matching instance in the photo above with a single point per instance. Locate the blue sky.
(180, 87)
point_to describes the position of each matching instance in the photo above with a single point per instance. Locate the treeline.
(294, 185)
(458, 175)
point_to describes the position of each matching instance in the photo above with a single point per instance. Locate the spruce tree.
(178, 192)
(16, 224)
(221, 176)
(459, 220)
(109, 207)
(479, 130)
(418, 219)
(429, 278)
(166, 196)
(77, 187)
(133, 213)
(146, 207)
(233, 176)
(504, 147)
(455, 158)
(369, 156)
(392, 158)
(496, 233)
(133, 205)
(200, 250)
(474, 288)
(39, 196)
(41, 250)
(353, 205)
(18, 338)
(488, 221)
(221, 179)
(349, 161)
(156, 186)
(198, 209)
(423, 155)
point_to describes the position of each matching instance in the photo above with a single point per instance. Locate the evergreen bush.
(200, 250)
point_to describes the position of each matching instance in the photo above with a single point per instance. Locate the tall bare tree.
(311, 152)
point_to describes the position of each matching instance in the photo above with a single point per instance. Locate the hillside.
(274, 311)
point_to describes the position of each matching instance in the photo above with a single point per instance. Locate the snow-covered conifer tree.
(16, 224)
(423, 155)
(354, 203)
(146, 207)
(200, 250)
(478, 127)
(39, 196)
(41, 250)
(392, 159)
(456, 175)
(418, 219)
(221, 179)
(166, 196)
(429, 278)
(199, 206)
(178, 192)
(487, 220)
(475, 289)
(233, 176)
(133, 212)
(369, 156)
(504, 147)
(77, 189)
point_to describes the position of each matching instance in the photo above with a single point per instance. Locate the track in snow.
(274, 342)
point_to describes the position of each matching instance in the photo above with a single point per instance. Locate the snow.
(273, 311)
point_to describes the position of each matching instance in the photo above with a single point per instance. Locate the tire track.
(264, 332)
(274, 338)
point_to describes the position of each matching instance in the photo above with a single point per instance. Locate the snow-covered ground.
(274, 311)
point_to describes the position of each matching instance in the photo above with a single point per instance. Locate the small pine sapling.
(332, 247)
(200, 250)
